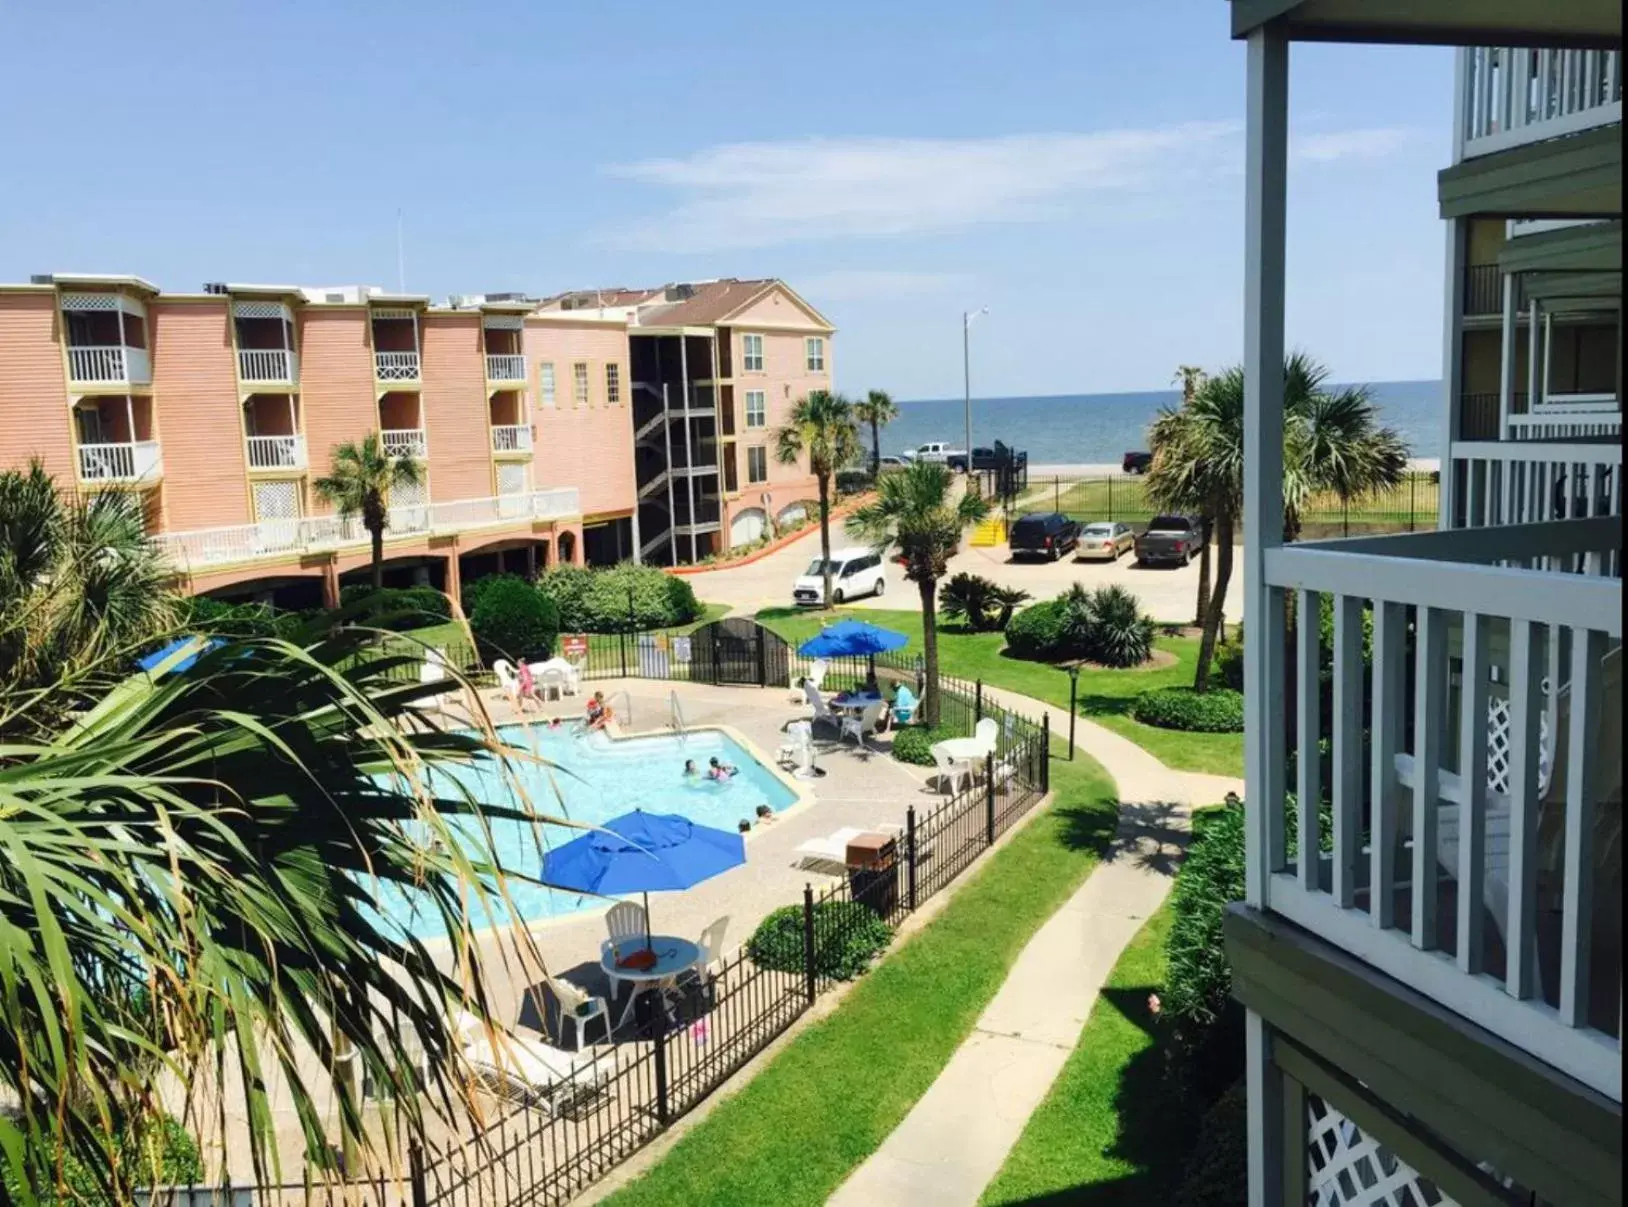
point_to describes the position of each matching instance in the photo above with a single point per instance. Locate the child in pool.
(745, 827)
(690, 769)
(764, 815)
(719, 771)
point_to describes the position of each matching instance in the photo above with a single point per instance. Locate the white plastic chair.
(579, 1007)
(508, 679)
(951, 770)
(626, 923)
(552, 680)
(987, 732)
(864, 723)
(711, 944)
(816, 674)
(822, 711)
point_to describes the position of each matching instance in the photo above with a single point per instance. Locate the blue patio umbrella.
(200, 645)
(852, 637)
(641, 852)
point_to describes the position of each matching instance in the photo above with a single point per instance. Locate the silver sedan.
(1104, 542)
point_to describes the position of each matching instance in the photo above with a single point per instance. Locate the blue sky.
(1075, 167)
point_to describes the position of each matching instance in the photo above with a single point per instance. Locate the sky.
(1075, 167)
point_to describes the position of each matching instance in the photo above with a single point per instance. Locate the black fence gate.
(737, 650)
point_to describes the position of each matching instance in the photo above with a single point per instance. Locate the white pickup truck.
(936, 451)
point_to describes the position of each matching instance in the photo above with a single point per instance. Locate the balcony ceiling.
(1592, 290)
(1582, 24)
(1571, 249)
(1579, 176)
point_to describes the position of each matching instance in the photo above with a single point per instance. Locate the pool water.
(593, 778)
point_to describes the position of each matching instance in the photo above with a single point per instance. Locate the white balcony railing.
(1529, 482)
(129, 462)
(200, 549)
(511, 438)
(395, 366)
(276, 452)
(505, 367)
(267, 364)
(1472, 750)
(112, 364)
(405, 442)
(1517, 95)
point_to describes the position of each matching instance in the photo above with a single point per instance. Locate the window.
(579, 373)
(756, 411)
(757, 464)
(545, 381)
(814, 353)
(752, 353)
(613, 384)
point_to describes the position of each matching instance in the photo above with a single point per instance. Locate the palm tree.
(878, 410)
(1190, 377)
(822, 428)
(1331, 441)
(363, 475)
(916, 515)
(187, 897)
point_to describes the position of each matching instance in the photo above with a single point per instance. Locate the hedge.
(515, 621)
(1219, 710)
(1036, 631)
(847, 937)
(221, 618)
(399, 609)
(607, 600)
(913, 743)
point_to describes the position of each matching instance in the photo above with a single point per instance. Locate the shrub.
(1229, 663)
(1036, 632)
(604, 601)
(847, 936)
(979, 603)
(913, 743)
(399, 609)
(1106, 626)
(163, 1156)
(1119, 633)
(1198, 979)
(1219, 710)
(514, 620)
(220, 618)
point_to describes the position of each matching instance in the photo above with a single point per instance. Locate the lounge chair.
(525, 1068)
(822, 711)
(864, 723)
(833, 848)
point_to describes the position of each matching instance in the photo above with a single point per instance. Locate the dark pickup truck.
(989, 459)
(1170, 538)
(1137, 463)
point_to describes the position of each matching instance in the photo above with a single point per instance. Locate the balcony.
(129, 462)
(1514, 96)
(276, 452)
(109, 364)
(268, 365)
(405, 442)
(511, 438)
(1470, 764)
(505, 367)
(395, 366)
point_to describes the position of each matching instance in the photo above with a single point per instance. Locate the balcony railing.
(505, 367)
(111, 364)
(130, 462)
(1517, 95)
(1516, 482)
(1569, 417)
(395, 366)
(276, 452)
(202, 548)
(1461, 738)
(405, 442)
(511, 438)
(267, 364)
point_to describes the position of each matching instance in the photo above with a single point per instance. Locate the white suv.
(854, 572)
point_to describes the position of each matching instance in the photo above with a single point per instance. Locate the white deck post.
(1265, 171)
(1452, 365)
(1506, 359)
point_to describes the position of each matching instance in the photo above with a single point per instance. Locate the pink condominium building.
(589, 427)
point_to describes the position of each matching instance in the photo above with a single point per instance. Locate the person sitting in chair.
(904, 704)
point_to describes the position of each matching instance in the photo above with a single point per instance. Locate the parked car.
(1104, 541)
(854, 572)
(1047, 534)
(888, 463)
(1171, 539)
(937, 451)
(1137, 463)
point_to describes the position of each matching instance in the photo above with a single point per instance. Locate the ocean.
(1093, 429)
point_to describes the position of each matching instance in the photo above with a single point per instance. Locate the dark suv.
(1136, 463)
(1047, 534)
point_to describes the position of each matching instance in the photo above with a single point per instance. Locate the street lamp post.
(966, 373)
(1073, 705)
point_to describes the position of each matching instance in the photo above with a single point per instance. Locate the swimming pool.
(594, 778)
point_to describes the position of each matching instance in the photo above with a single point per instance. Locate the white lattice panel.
(260, 309)
(1498, 752)
(277, 500)
(511, 479)
(106, 302)
(1348, 1168)
(503, 322)
(409, 494)
(393, 312)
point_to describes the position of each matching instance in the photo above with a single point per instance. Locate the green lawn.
(1105, 696)
(1107, 1132)
(825, 1103)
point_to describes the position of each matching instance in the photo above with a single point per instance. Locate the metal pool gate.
(737, 650)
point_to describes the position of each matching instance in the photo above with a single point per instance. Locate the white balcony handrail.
(405, 442)
(1579, 403)
(109, 363)
(1532, 481)
(511, 437)
(1518, 95)
(276, 452)
(395, 366)
(267, 364)
(505, 366)
(130, 461)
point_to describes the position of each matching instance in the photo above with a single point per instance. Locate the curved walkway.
(954, 1140)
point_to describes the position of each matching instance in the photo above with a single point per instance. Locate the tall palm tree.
(189, 878)
(916, 514)
(821, 427)
(1190, 377)
(359, 485)
(878, 410)
(1331, 441)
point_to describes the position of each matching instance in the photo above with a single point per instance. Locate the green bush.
(604, 601)
(220, 618)
(913, 743)
(168, 1158)
(515, 621)
(847, 936)
(981, 604)
(1036, 632)
(1198, 979)
(399, 609)
(1229, 663)
(1105, 626)
(1119, 634)
(1219, 710)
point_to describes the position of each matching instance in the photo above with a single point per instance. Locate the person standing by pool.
(526, 688)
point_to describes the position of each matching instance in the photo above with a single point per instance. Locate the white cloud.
(853, 284)
(760, 194)
(1349, 144)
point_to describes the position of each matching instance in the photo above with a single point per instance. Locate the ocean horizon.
(1091, 429)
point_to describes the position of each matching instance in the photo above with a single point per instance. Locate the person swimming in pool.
(720, 771)
(745, 827)
(764, 815)
(690, 769)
